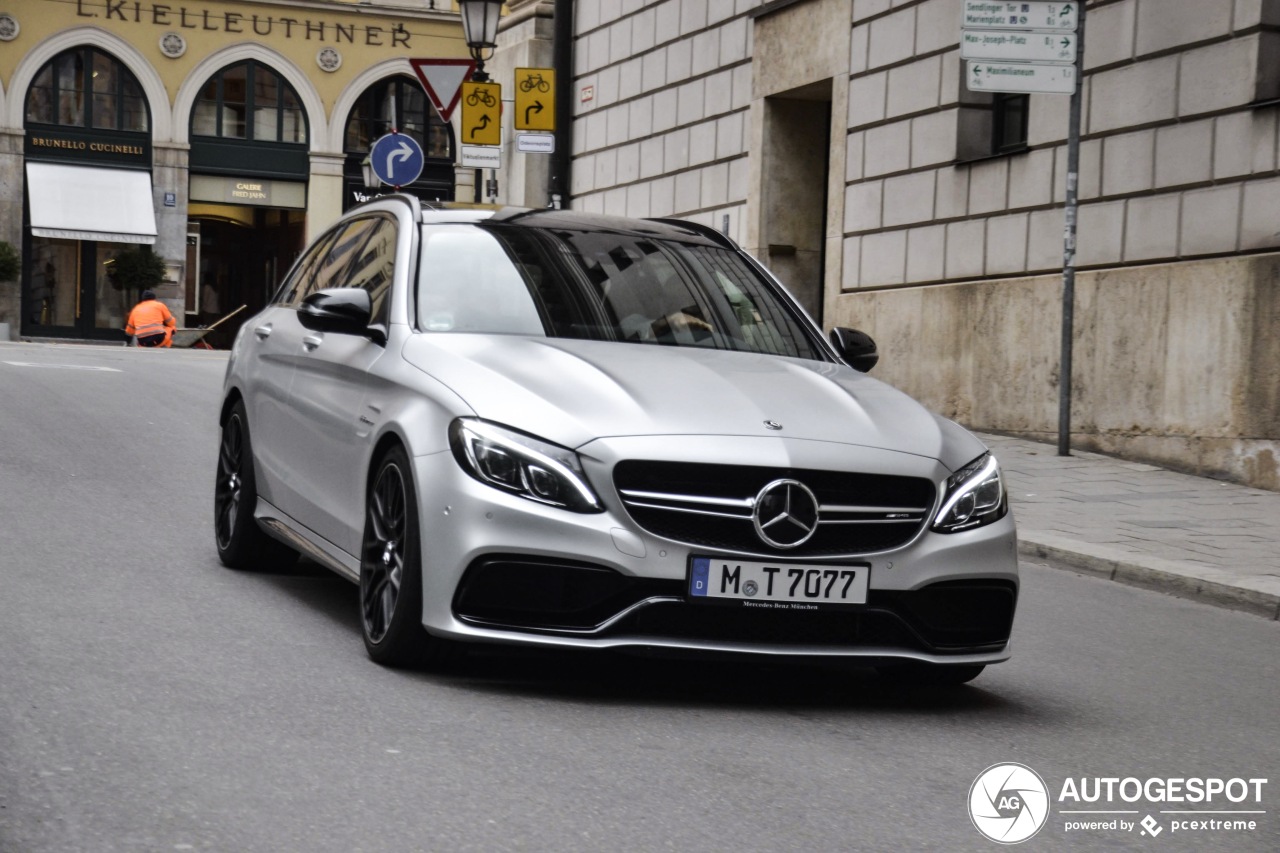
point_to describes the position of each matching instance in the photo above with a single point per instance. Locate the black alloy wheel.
(391, 571)
(241, 543)
(228, 486)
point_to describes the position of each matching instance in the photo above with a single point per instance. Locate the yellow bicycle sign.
(481, 113)
(535, 99)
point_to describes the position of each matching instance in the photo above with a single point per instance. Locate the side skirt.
(306, 542)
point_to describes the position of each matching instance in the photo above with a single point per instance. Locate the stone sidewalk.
(1138, 524)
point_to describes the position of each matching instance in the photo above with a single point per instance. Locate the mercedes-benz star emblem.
(786, 514)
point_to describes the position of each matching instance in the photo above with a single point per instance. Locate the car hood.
(573, 391)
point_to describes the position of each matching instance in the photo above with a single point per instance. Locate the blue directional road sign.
(397, 159)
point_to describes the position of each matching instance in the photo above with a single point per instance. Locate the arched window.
(372, 116)
(400, 103)
(249, 101)
(84, 87)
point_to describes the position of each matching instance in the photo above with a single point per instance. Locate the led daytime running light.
(962, 485)
(526, 452)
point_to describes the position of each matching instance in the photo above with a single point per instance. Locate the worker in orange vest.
(151, 322)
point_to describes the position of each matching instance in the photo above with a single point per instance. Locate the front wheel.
(391, 571)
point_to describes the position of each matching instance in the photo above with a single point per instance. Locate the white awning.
(85, 203)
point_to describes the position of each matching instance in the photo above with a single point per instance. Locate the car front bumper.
(499, 568)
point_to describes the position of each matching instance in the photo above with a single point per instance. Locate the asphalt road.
(152, 700)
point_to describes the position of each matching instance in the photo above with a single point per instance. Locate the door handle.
(263, 332)
(312, 341)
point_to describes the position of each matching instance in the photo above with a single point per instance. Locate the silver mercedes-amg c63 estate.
(557, 429)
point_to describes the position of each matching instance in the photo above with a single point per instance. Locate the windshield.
(601, 285)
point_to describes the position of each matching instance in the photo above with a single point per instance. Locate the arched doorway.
(248, 193)
(398, 103)
(87, 151)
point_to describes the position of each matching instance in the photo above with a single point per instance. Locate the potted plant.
(10, 263)
(135, 270)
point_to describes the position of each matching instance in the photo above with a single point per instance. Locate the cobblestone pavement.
(1144, 525)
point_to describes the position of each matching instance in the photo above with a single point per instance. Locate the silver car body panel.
(574, 391)
(322, 405)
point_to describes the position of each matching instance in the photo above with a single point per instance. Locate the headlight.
(972, 497)
(522, 465)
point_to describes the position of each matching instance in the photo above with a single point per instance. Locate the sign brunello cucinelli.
(88, 147)
(85, 145)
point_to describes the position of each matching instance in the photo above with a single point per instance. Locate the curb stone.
(1167, 576)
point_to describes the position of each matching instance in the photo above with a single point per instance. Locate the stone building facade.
(220, 135)
(837, 141)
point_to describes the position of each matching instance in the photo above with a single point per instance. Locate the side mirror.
(856, 348)
(342, 310)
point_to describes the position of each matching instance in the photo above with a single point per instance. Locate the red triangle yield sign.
(442, 80)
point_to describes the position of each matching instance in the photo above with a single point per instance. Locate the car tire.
(929, 674)
(391, 571)
(241, 543)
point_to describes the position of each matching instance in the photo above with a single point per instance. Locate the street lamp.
(480, 29)
(371, 179)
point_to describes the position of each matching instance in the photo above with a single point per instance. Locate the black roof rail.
(705, 230)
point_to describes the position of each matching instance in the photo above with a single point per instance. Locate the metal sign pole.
(1069, 248)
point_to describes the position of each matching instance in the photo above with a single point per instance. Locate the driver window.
(374, 265)
(346, 246)
(292, 290)
(648, 297)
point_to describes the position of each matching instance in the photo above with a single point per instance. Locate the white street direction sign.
(536, 143)
(1020, 77)
(1006, 46)
(481, 156)
(1006, 15)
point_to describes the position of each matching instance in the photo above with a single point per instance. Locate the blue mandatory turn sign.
(397, 159)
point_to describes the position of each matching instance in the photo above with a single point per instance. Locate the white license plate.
(785, 586)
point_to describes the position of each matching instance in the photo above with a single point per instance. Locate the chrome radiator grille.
(715, 506)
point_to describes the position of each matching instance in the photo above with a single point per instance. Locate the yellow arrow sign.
(535, 99)
(481, 113)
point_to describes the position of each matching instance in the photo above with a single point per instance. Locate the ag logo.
(1008, 803)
